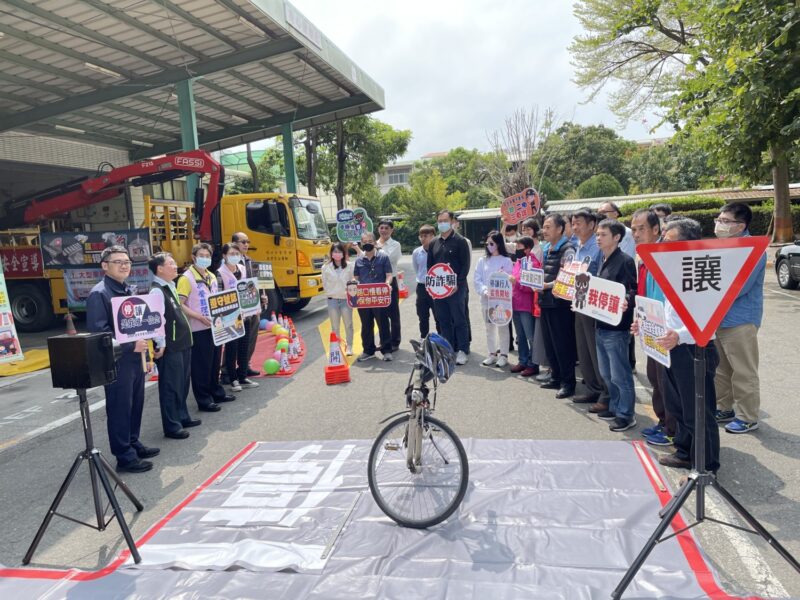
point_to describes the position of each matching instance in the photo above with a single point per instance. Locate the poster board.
(227, 323)
(564, 286)
(441, 281)
(138, 317)
(10, 348)
(351, 224)
(649, 314)
(249, 296)
(519, 207)
(531, 277)
(499, 309)
(83, 249)
(266, 278)
(79, 283)
(599, 298)
(20, 262)
(368, 295)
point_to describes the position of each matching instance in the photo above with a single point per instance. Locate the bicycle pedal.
(391, 446)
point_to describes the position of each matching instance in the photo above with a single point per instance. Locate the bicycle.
(417, 468)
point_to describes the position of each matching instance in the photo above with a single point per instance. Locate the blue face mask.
(203, 262)
(444, 227)
(234, 259)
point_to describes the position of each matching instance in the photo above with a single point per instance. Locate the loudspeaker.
(82, 361)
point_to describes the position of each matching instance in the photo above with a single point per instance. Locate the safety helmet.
(438, 357)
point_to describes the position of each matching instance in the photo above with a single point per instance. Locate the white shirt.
(392, 249)
(628, 245)
(673, 321)
(486, 266)
(419, 258)
(334, 280)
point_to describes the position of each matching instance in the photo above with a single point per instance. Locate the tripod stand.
(98, 468)
(699, 479)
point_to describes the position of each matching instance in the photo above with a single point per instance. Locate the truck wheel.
(293, 307)
(31, 308)
(274, 301)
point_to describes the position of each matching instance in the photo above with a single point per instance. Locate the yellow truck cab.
(287, 230)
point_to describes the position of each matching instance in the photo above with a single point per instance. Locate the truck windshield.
(310, 219)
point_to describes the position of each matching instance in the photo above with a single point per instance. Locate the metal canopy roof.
(105, 71)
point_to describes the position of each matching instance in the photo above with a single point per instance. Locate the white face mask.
(444, 227)
(234, 259)
(723, 230)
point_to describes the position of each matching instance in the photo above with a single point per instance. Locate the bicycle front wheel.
(423, 494)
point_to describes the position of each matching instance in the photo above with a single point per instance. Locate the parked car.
(787, 265)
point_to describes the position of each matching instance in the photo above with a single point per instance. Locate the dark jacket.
(454, 251)
(620, 267)
(99, 315)
(176, 326)
(564, 251)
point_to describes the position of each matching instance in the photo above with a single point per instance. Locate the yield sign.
(702, 278)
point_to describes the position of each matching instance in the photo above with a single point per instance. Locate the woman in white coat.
(335, 275)
(496, 259)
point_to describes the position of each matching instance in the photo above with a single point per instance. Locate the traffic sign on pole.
(702, 278)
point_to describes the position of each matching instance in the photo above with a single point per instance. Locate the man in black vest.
(173, 352)
(558, 321)
(124, 397)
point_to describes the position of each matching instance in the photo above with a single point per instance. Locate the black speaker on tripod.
(80, 362)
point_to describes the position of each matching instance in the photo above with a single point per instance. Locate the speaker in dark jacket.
(82, 361)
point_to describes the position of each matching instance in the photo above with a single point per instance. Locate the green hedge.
(762, 215)
(679, 204)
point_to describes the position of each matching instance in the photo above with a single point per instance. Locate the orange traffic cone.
(402, 288)
(296, 342)
(337, 370)
(70, 324)
(285, 368)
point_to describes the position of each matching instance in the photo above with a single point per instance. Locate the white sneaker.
(235, 386)
(387, 356)
(502, 361)
(248, 383)
(489, 361)
(461, 358)
(348, 352)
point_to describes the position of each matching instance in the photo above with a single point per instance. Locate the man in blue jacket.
(737, 382)
(124, 397)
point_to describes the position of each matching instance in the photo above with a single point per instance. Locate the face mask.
(511, 238)
(234, 259)
(722, 230)
(444, 227)
(520, 253)
(337, 256)
(368, 247)
(203, 261)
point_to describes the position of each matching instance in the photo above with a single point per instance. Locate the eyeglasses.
(727, 221)
(244, 241)
(120, 263)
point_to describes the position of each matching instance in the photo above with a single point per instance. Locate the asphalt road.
(762, 469)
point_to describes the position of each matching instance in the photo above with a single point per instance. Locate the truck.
(287, 230)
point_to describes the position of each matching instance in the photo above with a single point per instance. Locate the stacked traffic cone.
(296, 342)
(402, 288)
(294, 357)
(70, 324)
(337, 370)
(285, 368)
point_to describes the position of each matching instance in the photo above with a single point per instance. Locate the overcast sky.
(453, 70)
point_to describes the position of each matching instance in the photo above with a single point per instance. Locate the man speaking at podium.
(124, 397)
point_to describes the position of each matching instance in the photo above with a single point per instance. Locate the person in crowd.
(419, 259)
(373, 267)
(495, 260)
(391, 248)
(457, 228)
(194, 287)
(510, 234)
(452, 249)
(646, 228)
(251, 323)
(612, 340)
(609, 210)
(231, 271)
(679, 380)
(124, 397)
(571, 236)
(557, 318)
(173, 352)
(335, 275)
(522, 299)
(584, 224)
(530, 228)
(662, 210)
(737, 382)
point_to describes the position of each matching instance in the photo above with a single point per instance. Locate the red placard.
(519, 207)
(441, 281)
(702, 278)
(368, 295)
(22, 262)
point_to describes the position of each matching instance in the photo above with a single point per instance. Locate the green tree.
(579, 152)
(427, 196)
(350, 153)
(725, 72)
(269, 173)
(600, 186)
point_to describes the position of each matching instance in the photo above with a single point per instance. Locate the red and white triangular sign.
(702, 278)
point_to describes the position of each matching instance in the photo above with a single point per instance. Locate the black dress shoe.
(192, 423)
(586, 399)
(565, 392)
(181, 434)
(227, 398)
(145, 452)
(252, 372)
(550, 384)
(139, 466)
(213, 407)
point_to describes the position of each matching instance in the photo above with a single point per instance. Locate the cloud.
(452, 71)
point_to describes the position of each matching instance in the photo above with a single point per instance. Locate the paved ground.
(762, 470)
